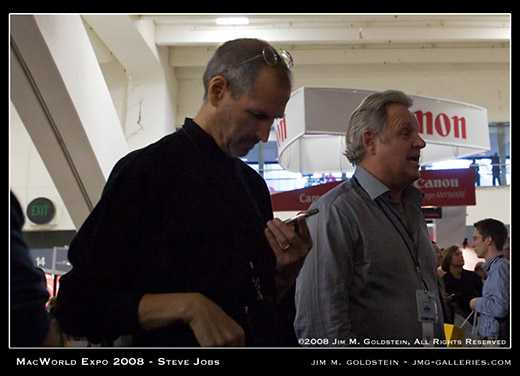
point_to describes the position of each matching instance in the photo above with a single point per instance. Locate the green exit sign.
(41, 210)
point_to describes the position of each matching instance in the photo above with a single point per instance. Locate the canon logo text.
(441, 124)
(437, 183)
(281, 131)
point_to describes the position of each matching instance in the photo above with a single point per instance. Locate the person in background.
(474, 164)
(182, 249)
(439, 256)
(495, 163)
(30, 324)
(372, 268)
(461, 285)
(507, 249)
(480, 271)
(493, 323)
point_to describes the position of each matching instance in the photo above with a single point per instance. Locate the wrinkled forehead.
(400, 116)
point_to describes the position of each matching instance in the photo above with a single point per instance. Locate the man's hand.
(210, 324)
(290, 246)
(473, 303)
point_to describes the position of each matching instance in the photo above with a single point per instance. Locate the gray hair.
(370, 115)
(242, 78)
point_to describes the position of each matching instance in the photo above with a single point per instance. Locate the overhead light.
(232, 21)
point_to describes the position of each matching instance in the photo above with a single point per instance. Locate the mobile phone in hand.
(304, 214)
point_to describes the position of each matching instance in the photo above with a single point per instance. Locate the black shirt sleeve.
(99, 297)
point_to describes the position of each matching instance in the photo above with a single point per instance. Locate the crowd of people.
(199, 260)
(486, 290)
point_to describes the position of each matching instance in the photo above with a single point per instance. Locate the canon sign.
(281, 131)
(437, 183)
(447, 187)
(311, 136)
(442, 124)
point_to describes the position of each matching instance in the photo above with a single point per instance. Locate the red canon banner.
(447, 187)
(300, 199)
(440, 188)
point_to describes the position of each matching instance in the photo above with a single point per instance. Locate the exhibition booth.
(311, 139)
(311, 136)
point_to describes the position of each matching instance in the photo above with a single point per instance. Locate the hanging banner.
(440, 188)
(447, 187)
(300, 199)
(311, 137)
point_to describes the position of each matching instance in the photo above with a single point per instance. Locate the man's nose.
(263, 130)
(419, 142)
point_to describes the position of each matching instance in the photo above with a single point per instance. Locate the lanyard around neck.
(413, 255)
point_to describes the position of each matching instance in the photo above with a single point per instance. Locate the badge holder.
(427, 314)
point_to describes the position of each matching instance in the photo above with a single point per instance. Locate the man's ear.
(217, 90)
(369, 141)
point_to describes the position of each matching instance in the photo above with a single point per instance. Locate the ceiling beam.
(59, 92)
(127, 39)
(309, 55)
(175, 34)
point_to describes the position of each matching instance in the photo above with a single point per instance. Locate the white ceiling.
(196, 29)
(311, 38)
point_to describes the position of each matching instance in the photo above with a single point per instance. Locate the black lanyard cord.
(410, 251)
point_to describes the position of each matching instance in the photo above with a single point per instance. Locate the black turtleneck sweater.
(173, 217)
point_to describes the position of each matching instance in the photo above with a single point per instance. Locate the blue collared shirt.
(359, 280)
(494, 303)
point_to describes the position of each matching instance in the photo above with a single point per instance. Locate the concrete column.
(61, 96)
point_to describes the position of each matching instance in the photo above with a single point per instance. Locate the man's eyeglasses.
(270, 56)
